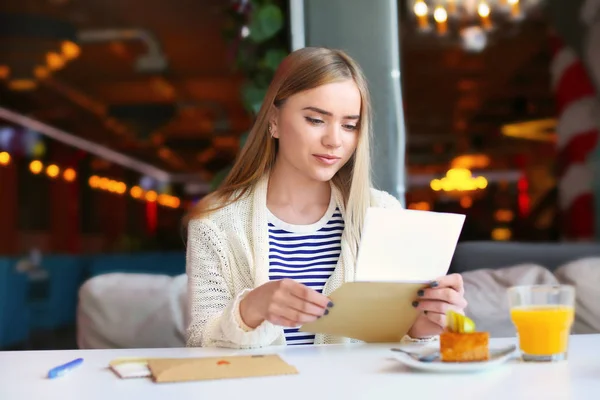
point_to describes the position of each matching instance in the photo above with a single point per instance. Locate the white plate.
(439, 366)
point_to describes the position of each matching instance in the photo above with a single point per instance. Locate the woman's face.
(318, 130)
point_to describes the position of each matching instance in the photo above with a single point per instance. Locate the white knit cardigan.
(228, 256)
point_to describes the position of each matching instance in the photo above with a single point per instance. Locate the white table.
(334, 372)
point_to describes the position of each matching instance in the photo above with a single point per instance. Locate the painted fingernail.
(415, 303)
(433, 284)
(420, 292)
(326, 312)
(330, 304)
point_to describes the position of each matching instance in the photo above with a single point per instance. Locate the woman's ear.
(273, 119)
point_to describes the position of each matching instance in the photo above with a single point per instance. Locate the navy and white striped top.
(306, 253)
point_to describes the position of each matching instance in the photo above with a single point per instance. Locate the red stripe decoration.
(577, 133)
(576, 150)
(573, 85)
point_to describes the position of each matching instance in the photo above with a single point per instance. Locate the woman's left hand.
(444, 294)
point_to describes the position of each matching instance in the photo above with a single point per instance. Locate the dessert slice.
(460, 342)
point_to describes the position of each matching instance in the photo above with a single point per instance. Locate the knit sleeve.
(213, 306)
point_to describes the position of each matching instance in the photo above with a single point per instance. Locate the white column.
(368, 31)
(297, 24)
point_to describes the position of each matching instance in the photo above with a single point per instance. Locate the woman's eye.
(314, 121)
(350, 127)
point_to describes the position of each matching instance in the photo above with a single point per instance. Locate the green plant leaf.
(253, 96)
(267, 20)
(274, 57)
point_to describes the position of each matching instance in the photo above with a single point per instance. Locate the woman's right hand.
(283, 302)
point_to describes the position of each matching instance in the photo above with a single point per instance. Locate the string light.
(54, 61)
(113, 186)
(98, 182)
(36, 167)
(70, 50)
(136, 192)
(484, 12)
(421, 11)
(151, 196)
(451, 16)
(94, 181)
(120, 188)
(104, 183)
(169, 201)
(4, 158)
(441, 17)
(69, 174)
(52, 171)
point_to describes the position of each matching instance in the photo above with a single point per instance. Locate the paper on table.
(126, 368)
(401, 251)
(399, 245)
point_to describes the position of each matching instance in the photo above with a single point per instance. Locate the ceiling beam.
(97, 149)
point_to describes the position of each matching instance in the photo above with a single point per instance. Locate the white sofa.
(124, 310)
(143, 311)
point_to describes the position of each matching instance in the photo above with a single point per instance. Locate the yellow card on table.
(208, 368)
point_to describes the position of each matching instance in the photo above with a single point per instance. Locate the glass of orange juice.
(543, 316)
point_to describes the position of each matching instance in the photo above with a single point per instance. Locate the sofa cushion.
(124, 310)
(584, 274)
(474, 255)
(486, 293)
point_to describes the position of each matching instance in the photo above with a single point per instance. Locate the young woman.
(282, 231)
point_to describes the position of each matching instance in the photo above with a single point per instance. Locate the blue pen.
(63, 369)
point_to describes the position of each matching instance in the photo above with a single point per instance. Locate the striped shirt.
(306, 253)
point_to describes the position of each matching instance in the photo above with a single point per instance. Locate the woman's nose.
(333, 137)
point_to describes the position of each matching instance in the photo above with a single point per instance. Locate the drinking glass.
(543, 316)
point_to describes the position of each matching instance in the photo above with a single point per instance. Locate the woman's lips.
(326, 159)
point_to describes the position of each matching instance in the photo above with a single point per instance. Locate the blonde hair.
(303, 69)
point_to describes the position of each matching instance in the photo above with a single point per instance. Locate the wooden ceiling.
(198, 80)
(452, 98)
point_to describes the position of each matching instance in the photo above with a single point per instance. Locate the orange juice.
(543, 330)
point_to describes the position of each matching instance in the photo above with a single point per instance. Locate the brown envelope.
(198, 369)
(373, 312)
